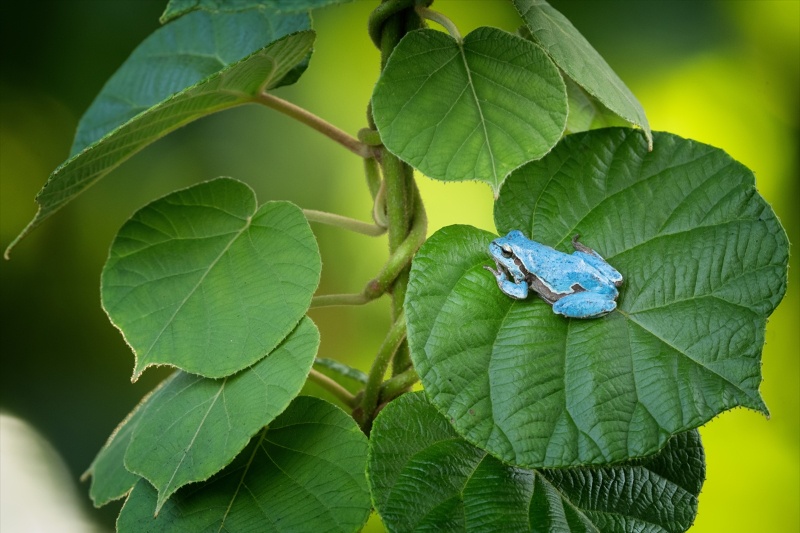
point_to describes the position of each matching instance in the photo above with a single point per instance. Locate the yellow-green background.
(724, 72)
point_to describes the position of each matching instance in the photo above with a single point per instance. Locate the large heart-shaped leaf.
(177, 8)
(580, 61)
(704, 261)
(471, 110)
(305, 472)
(425, 477)
(110, 479)
(184, 71)
(194, 426)
(202, 280)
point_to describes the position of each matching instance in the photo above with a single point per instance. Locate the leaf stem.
(439, 18)
(391, 343)
(315, 122)
(357, 226)
(373, 174)
(332, 300)
(334, 388)
(392, 388)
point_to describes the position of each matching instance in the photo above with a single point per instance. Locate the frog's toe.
(584, 305)
(494, 272)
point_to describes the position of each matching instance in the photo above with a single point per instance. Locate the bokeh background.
(722, 72)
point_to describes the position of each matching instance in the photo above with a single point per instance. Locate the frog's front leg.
(584, 305)
(511, 288)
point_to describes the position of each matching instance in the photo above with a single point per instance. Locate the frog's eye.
(506, 251)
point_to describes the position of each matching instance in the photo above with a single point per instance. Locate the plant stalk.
(334, 388)
(392, 388)
(332, 300)
(315, 122)
(401, 257)
(393, 340)
(440, 19)
(357, 226)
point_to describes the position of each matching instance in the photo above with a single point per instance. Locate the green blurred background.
(724, 73)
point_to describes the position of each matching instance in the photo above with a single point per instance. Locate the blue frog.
(581, 285)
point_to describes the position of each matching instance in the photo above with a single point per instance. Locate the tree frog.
(581, 285)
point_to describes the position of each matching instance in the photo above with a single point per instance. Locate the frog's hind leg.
(596, 260)
(580, 247)
(584, 305)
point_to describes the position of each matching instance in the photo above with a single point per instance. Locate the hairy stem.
(438, 18)
(364, 228)
(393, 267)
(401, 257)
(334, 388)
(369, 136)
(392, 388)
(315, 122)
(393, 340)
(372, 171)
(396, 199)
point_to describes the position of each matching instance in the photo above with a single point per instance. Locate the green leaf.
(580, 61)
(202, 280)
(110, 479)
(587, 112)
(425, 477)
(704, 261)
(342, 369)
(194, 426)
(469, 111)
(178, 8)
(305, 472)
(184, 71)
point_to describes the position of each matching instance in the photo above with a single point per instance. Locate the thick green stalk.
(392, 388)
(372, 171)
(393, 267)
(401, 257)
(393, 340)
(396, 199)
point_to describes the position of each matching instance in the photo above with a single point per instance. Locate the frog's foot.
(584, 305)
(512, 289)
(500, 273)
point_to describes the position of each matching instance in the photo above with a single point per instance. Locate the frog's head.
(505, 252)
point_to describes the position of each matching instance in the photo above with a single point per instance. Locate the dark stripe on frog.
(538, 286)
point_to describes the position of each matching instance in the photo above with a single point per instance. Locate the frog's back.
(562, 272)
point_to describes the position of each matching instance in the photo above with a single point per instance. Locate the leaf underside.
(580, 61)
(178, 8)
(469, 111)
(174, 77)
(704, 261)
(202, 280)
(425, 477)
(110, 479)
(195, 426)
(305, 472)
(588, 113)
